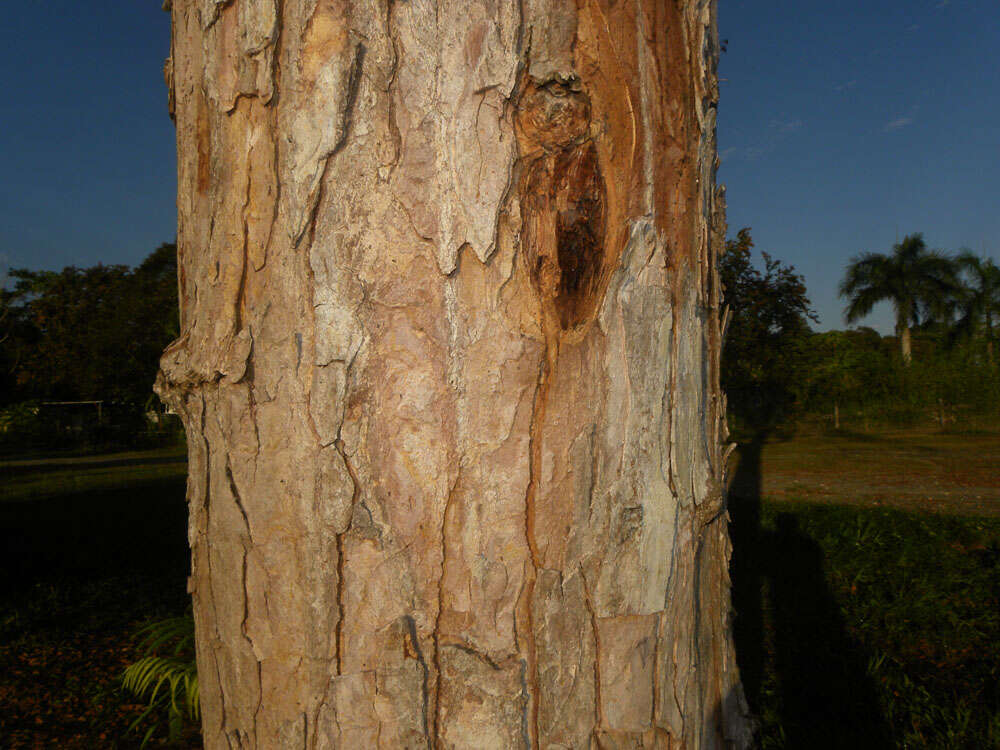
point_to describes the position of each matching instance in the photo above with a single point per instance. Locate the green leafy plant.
(917, 281)
(166, 677)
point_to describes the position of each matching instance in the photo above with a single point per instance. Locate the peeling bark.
(449, 372)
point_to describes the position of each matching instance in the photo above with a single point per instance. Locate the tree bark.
(905, 344)
(449, 371)
(989, 337)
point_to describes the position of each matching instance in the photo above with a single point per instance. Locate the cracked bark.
(449, 371)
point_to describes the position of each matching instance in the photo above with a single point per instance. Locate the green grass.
(859, 624)
(63, 475)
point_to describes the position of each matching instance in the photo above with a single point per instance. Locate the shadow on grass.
(90, 535)
(801, 670)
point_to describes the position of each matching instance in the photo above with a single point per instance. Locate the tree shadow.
(790, 636)
(81, 537)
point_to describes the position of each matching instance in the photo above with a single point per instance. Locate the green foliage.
(948, 383)
(847, 368)
(776, 372)
(766, 345)
(166, 677)
(977, 303)
(88, 334)
(917, 281)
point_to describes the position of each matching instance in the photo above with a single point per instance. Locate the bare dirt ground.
(928, 471)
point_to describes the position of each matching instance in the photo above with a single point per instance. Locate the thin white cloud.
(846, 85)
(769, 139)
(785, 126)
(899, 122)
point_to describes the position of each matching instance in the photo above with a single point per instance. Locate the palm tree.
(978, 299)
(917, 282)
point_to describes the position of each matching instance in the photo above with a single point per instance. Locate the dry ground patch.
(917, 471)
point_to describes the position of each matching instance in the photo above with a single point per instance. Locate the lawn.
(81, 570)
(912, 470)
(37, 478)
(865, 582)
(865, 575)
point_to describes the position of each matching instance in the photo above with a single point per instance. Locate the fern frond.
(167, 683)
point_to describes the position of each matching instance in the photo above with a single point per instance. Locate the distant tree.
(977, 300)
(847, 368)
(766, 348)
(837, 373)
(155, 319)
(917, 281)
(16, 336)
(89, 333)
(77, 315)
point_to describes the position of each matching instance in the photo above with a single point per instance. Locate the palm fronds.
(166, 677)
(978, 302)
(917, 281)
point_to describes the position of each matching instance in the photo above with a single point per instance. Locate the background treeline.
(96, 334)
(781, 375)
(86, 334)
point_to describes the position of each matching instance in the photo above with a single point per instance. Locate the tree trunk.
(989, 338)
(449, 372)
(905, 345)
(836, 415)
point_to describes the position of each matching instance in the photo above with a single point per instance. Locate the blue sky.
(842, 126)
(86, 146)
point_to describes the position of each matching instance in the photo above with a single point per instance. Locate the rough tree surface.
(449, 372)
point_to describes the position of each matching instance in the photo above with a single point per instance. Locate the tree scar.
(563, 203)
